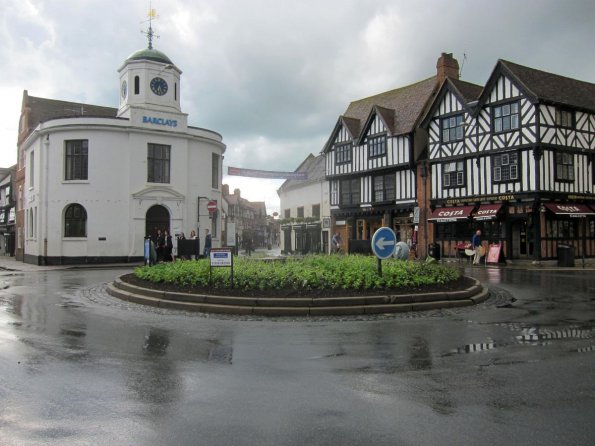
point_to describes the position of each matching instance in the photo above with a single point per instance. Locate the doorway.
(157, 218)
(521, 240)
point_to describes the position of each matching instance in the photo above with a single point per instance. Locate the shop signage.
(444, 215)
(505, 197)
(160, 121)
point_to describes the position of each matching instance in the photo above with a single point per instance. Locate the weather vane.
(150, 33)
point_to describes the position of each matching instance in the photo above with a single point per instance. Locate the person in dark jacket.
(207, 248)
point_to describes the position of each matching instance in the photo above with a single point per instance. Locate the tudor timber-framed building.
(514, 159)
(371, 160)
(440, 158)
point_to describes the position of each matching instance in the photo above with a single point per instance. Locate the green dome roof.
(150, 54)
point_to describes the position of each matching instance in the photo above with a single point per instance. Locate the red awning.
(570, 209)
(487, 211)
(451, 214)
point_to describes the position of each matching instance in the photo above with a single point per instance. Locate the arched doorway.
(157, 218)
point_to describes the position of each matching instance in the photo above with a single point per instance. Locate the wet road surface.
(79, 367)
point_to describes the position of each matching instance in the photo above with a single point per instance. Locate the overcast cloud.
(273, 76)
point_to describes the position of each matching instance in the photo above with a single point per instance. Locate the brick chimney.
(225, 190)
(447, 66)
(236, 192)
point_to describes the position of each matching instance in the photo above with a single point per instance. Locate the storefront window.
(561, 228)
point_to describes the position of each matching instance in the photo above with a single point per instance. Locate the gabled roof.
(42, 110)
(407, 104)
(314, 166)
(465, 92)
(542, 86)
(352, 125)
(387, 116)
(401, 110)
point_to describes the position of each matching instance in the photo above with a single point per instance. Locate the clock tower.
(150, 81)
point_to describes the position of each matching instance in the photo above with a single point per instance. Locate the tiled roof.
(554, 88)
(314, 166)
(470, 92)
(42, 110)
(408, 104)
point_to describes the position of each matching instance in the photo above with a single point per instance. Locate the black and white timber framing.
(542, 126)
(519, 146)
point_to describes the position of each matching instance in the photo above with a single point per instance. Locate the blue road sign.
(383, 243)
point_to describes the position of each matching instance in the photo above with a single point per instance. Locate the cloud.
(273, 76)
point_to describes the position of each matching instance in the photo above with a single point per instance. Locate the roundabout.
(365, 304)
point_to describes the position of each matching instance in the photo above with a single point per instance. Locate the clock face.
(158, 86)
(124, 89)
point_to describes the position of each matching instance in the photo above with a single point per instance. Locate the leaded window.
(384, 187)
(453, 174)
(343, 154)
(564, 166)
(505, 167)
(565, 118)
(505, 117)
(452, 128)
(76, 160)
(350, 192)
(158, 161)
(376, 146)
(75, 221)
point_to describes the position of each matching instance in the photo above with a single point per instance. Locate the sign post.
(384, 241)
(212, 206)
(220, 257)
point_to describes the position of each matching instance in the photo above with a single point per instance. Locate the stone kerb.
(298, 306)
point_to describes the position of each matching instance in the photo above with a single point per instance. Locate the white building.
(93, 181)
(305, 210)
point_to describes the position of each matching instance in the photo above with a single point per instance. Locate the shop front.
(569, 225)
(358, 226)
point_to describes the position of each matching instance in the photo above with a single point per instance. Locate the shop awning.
(487, 211)
(570, 209)
(442, 215)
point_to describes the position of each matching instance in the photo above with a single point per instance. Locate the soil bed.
(456, 285)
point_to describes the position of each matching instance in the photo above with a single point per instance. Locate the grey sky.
(273, 76)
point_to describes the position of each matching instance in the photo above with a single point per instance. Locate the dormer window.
(565, 118)
(343, 154)
(376, 146)
(505, 117)
(452, 128)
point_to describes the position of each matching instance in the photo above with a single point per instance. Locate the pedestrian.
(477, 248)
(160, 245)
(337, 242)
(207, 248)
(168, 248)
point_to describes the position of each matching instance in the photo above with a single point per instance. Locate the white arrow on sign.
(382, 243)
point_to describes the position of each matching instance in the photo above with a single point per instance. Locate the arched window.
(136, 85)
(75, 221)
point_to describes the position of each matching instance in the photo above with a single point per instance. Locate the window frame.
(79, 227)
(158, 163)
(343, 153)
(564, 167)
(350, 192)
(380, 191)
(498, 115)
(503, 163)
(316, 211)
(76, 165)
(300, 212)
(562, 114)
(456, 174)
(376, 146)
(458, 126)
(215, 158)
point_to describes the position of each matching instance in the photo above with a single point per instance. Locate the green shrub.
(316, 272)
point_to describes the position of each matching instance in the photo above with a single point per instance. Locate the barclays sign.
(160, 121)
